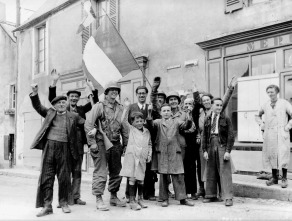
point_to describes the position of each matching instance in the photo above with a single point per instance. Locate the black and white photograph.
(146, 110)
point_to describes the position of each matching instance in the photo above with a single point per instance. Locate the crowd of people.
(183, 140)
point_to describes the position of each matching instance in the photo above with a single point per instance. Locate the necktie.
(142, 108)
(213, 126)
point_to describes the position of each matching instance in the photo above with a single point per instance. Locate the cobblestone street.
(17, 202)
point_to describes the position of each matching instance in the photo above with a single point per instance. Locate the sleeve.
(125, 117)
(204, 139)
(95, 96)
(230, 139)
(35, 100)
(52, 93)
(153, 99)
(91, 118)
(227, 97)
(185, 125)
(125, 134)
(258, 118)
(149, 147)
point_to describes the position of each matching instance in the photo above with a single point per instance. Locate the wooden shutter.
(232, 5)
(6, 147)
(85, 31)
(114, 12)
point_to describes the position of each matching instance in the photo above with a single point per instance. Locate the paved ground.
(17, 200)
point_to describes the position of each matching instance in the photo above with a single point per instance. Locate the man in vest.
(73, 98)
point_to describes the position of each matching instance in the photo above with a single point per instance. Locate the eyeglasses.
(143, 93)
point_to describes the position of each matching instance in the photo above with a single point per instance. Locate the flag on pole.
(106, 57)
(89, 16)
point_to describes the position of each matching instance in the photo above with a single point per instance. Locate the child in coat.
(138, 152)
(168, 157)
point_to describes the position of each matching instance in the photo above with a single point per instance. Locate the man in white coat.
(276, 145)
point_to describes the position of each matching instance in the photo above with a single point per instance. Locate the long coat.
(49, 114)
(276, 145)
(167, 146)
(138, 149)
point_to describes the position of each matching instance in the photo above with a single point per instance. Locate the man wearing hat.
(74, 97)
(57, 139)
(108, 114)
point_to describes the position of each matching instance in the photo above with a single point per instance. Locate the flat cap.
(73, 91)
(58, 98)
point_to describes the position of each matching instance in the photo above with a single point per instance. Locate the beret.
(58, 98)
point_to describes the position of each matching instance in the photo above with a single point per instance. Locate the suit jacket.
(73, 119)
(81, 110)
(134, 107)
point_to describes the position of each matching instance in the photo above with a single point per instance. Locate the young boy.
(168, 151)
(217, 142)
(138, 152)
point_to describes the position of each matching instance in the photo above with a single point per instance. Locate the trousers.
(178, 186)
(107, 162)
(56, 160)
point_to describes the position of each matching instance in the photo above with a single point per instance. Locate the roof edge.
(45, 16)
(247, 35)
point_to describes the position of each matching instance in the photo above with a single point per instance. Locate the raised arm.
(229, 92)
(125, 115)
(92, 94)
(35, 100)
(52, 89)
(187, 124)
(153, 95)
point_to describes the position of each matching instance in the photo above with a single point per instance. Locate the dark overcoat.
(167, 146)
(49, 114)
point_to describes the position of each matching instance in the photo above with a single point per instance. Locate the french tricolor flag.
(106, 57)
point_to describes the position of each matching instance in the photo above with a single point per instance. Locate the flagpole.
(141, 69)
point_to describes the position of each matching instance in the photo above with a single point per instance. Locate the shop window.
(214, 78)
(263, 64)
(288, 58)
(238, 67)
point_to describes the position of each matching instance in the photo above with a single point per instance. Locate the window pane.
(288, 58)
(41, 45)
(214, 54)
(214, 79)
(238, 67)
(41, 56)
(263, 64)
(258, 1)
(41, 67)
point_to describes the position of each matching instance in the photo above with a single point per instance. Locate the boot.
(114, 201)
(274, 179)
(45, 211)
(100, 204)
(140, 196)
(133, 204)
(284, 183)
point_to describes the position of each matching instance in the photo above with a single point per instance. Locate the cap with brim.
(58, 98)
(74, 91)
(161, 93)
(107, 90)
(173, 94)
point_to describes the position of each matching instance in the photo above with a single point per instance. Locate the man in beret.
(73, 98)
(57, 139)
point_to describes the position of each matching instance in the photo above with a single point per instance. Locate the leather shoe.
(79, 202)
(152, 198)
(115, 201)
(45, 211)
(66, 209)
(164, 203)
(229, 202)
(212, 200)
(194, 197)
(186, 202)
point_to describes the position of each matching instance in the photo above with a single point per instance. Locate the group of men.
(205, 152)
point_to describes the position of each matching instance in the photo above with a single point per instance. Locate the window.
(103, 8)
(238, 67)
(41, 49)
(12, 103)
(214, 78)
(232, 5)
(288, 58)
(253, 2)
(263, 64)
